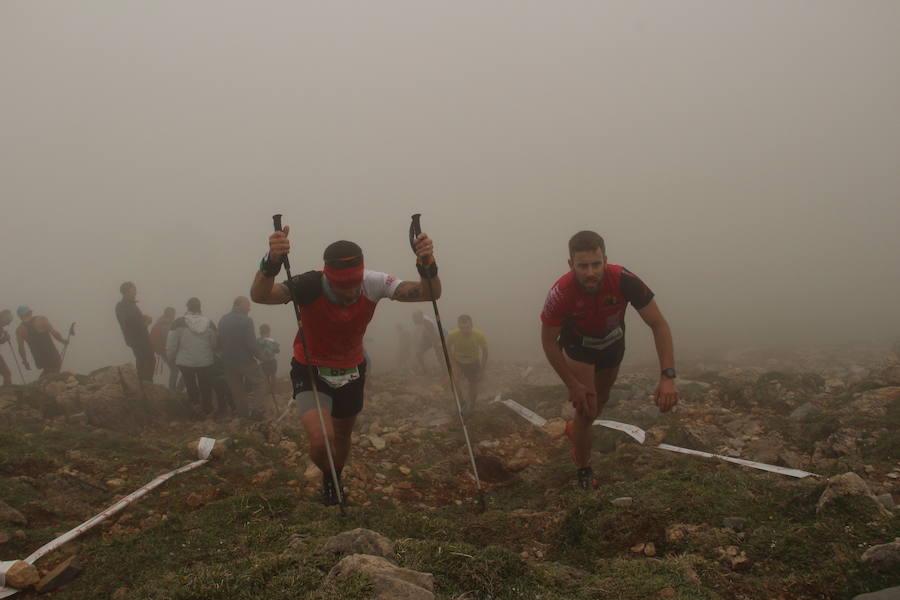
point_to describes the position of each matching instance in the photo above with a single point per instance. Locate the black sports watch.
(670, 373)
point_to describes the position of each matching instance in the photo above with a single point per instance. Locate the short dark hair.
(586, 241)
(125, 285)
(464, 319)
(193, 305)
(343, 254)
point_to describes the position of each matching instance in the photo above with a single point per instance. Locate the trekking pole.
(270, 379)
(415, 228)
(276, 219)
(66, 348)
(15, 358)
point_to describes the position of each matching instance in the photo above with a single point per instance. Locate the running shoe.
(329, 493)
(585, 477)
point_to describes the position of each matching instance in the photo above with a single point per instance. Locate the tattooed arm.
(420, 291)
(417, 291)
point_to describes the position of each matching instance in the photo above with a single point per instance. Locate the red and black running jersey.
(334, 332)
(570, 307)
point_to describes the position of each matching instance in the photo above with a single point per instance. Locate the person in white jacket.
(191, 347)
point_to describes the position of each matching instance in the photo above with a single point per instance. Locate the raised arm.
(420, 291)
(57, 335)
(264, 290)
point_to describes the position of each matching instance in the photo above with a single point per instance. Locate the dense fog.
(742, 158)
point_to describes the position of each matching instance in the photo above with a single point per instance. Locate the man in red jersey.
(336, 305)
(583, 335)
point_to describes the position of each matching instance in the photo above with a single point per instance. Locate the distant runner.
(5, 319)
(337, 304)
(268, 348)
(583, 335)
(469, 351)
(404, 349)
(426, 338)
(39, 333)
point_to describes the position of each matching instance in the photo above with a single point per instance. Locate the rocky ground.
(660, 525)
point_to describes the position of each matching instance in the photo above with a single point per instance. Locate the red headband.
(345, 278)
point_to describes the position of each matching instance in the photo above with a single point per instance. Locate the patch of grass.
(484, 572)
(644, 578)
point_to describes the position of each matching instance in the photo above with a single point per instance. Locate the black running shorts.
(343, 402)
(607, 358)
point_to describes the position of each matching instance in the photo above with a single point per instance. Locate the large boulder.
(891, 593)
(362, 541)
(848, 496)
(389, 582)
(22, 575)
(112, 398)
(884, 558)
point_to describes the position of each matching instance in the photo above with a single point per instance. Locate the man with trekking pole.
(39, 333)
(334, 306)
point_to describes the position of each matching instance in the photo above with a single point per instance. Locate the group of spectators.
(227, 359)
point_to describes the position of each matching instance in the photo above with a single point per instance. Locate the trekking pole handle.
(415, 228)
(276, 221)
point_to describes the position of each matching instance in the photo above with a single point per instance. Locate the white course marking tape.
(529, 415)
(747, 463)
(638, 434)
(4, 567)
(204, 448)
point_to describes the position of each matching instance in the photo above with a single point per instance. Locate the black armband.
(428, 271)
(268, 267)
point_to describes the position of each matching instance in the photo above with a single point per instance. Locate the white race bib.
(338, 378)
(608, 340)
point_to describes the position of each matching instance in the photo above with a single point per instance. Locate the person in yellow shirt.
(469, 352)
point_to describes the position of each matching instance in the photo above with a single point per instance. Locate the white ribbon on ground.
(640, 435)
(636, 432)
(204, 448)
(527, 414)
(4, 567)
(747, 463)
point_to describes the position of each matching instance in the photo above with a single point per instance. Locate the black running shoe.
(329, 494)
(585, 478)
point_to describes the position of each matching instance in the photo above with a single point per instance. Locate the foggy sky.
(743, 158)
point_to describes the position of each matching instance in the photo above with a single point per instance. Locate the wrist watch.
(670, 373)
